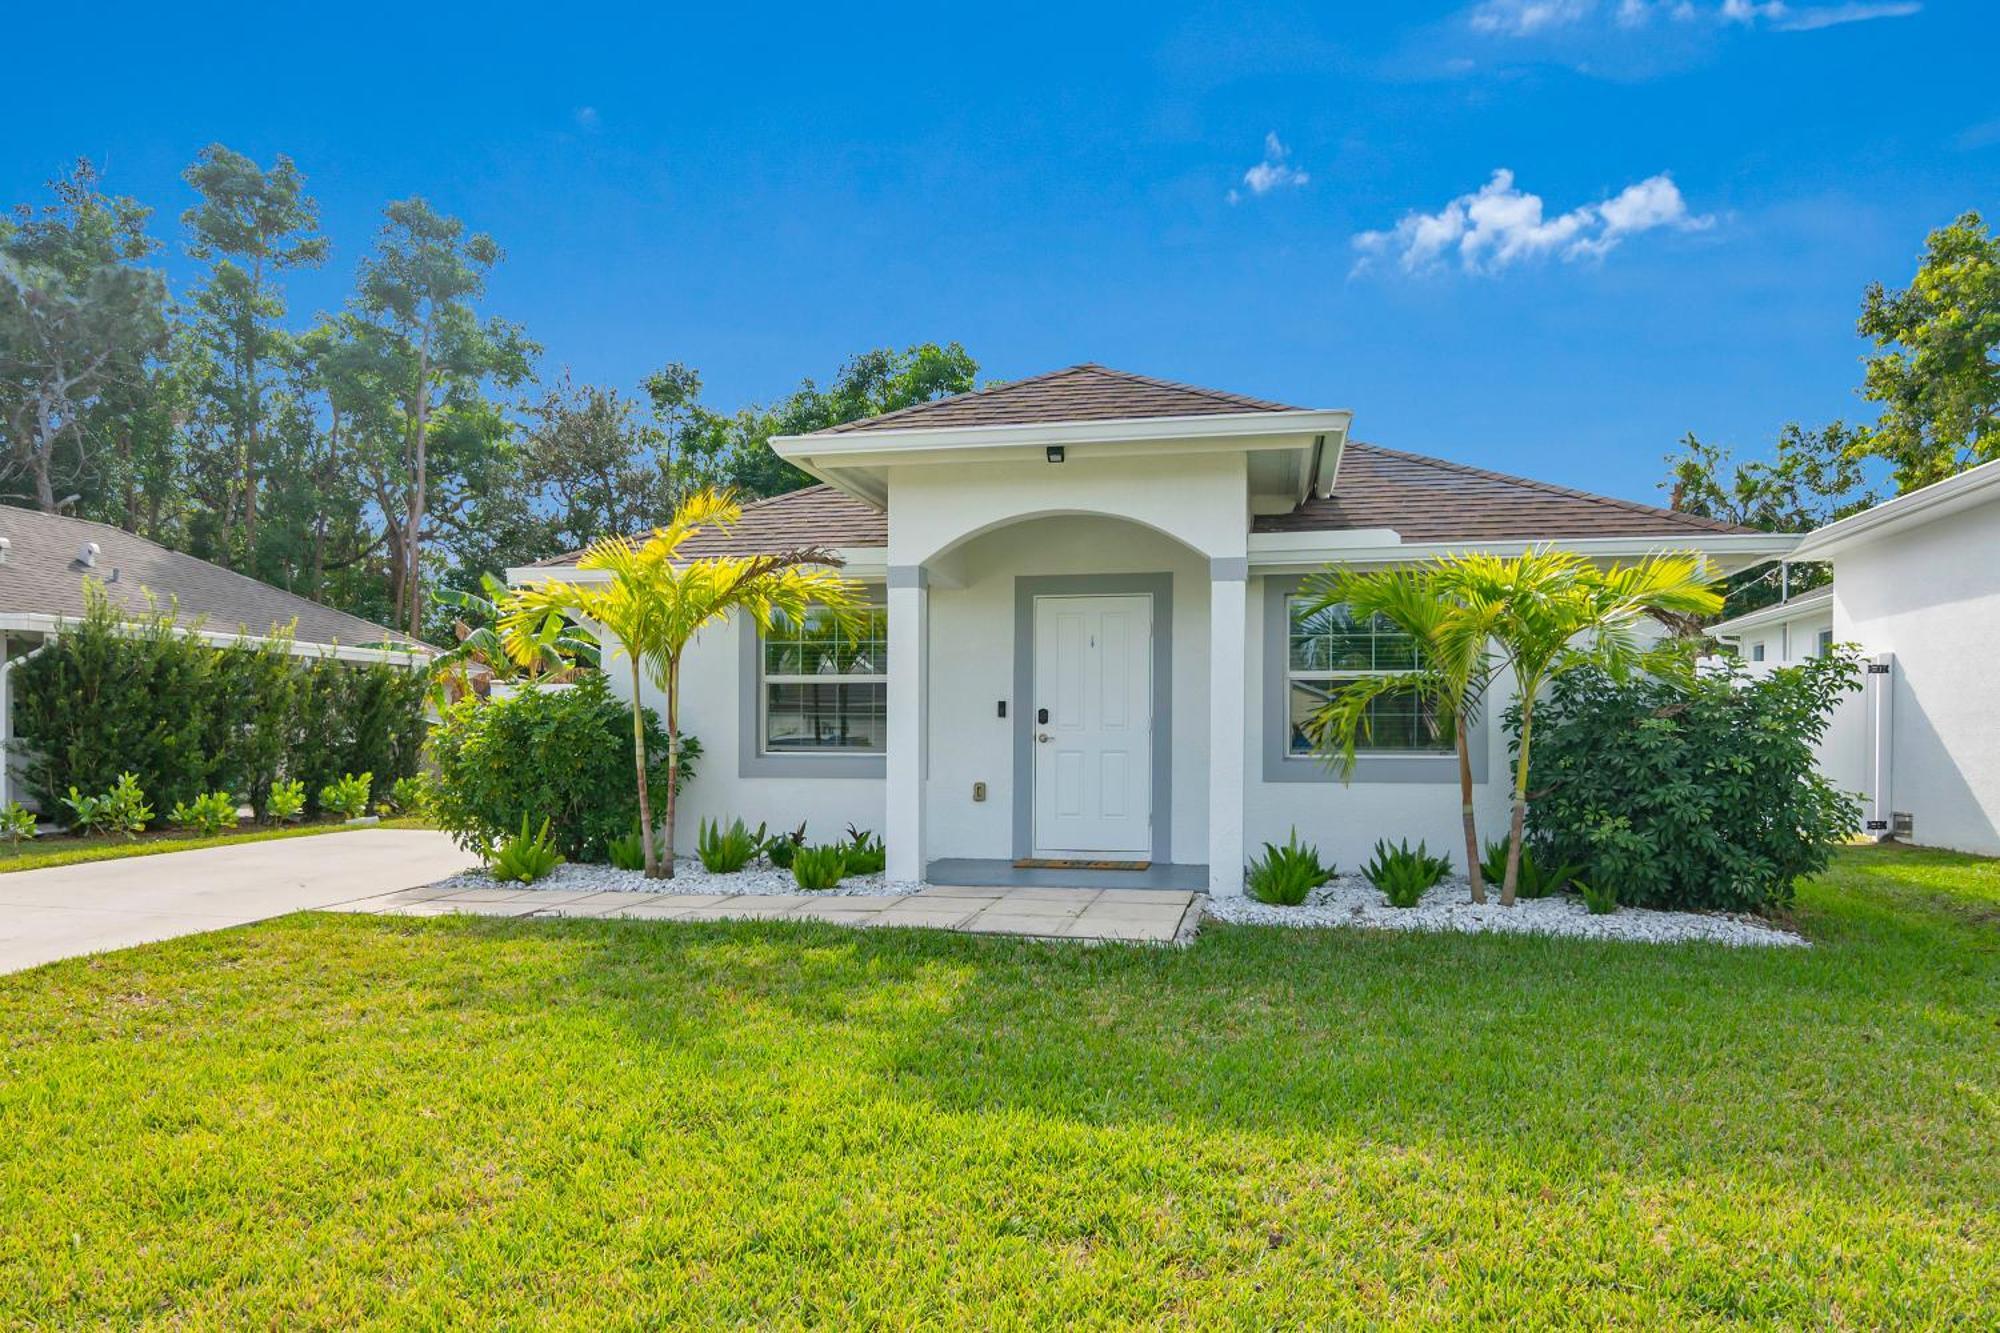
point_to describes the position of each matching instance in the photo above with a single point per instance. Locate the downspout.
(7, 716)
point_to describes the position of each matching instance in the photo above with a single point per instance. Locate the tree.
(594, 464)
(883, 380)
(1815, 477)
(1450, 677)
(1936, 367)
(252, 224)
(652, 603)
(1551, 612)
(549, 651)
(430, 350)
(79, 321)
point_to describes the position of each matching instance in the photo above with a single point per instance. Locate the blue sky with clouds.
(1546, 236)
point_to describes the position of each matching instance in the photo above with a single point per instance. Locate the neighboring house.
(1789, 631)
(1916, 587)
(1086, 648)
(45, 560)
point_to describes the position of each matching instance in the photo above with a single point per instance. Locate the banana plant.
(551, 649)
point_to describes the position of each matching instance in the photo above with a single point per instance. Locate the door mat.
(1055, 863)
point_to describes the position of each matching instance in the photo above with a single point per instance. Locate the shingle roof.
(1430, 500)
(815, 516)
(1088, 392)
(42, 575)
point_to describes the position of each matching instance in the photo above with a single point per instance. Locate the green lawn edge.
(30, 856)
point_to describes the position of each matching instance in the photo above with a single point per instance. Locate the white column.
(909, 707)
(1228, 642)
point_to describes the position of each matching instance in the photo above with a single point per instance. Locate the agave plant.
(552, 649)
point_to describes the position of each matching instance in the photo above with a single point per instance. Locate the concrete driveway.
(66, 911)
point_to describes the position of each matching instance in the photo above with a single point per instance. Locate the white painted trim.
(1122, 430)
(1778, 613)
(1968, 488)
(863, 564)
(38, 623)
(1297, 552)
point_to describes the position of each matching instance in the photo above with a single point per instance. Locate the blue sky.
(1284, 201)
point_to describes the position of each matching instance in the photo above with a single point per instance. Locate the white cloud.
(1274, 172)
(1533, 18)
(1499, 225)
(1524, 18)
(585, 117)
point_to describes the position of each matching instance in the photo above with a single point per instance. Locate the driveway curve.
(69, 911)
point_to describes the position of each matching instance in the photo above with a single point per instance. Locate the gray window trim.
(751, 761)
(1026, 589)
(1280, 766)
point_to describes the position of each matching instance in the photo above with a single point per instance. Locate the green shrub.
(524, 857)
(565, 754)
(628, 852)
(208, 814)
(865, 853)
(1533, 881)
(1696, 793)
(286, 800)
(1403, 873)
(122, 809)
(409, 796)
(1285, 875)
(818, 868)
(779, 848)
(1599, 902)
(347, 795)
(723, 851)
(17, 823)
(116, 694)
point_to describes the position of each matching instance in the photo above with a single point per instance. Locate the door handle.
(1042, 736)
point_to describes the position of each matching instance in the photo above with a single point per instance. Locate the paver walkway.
(1149, 915)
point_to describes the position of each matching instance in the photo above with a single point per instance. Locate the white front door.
(1094, 744)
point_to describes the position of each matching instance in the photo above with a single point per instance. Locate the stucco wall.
(711, 692)
(1931, 596)
(972, 668)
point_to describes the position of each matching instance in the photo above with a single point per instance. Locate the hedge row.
(112, 695)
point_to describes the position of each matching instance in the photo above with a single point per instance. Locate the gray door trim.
(1027, 587)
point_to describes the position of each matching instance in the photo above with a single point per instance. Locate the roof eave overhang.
(852, 461)
(1283, 552)
(1776, 614)
(1979, 485)
(37, 622)
(866, 563)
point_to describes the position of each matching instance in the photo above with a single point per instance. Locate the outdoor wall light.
(1055, 453)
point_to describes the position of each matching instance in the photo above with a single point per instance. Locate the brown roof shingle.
(815, 516)
(42, 575)
(1088, 392)
(1431, 500)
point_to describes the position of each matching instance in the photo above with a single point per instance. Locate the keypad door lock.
(1042, 716)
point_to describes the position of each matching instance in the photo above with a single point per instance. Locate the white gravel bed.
(1350, 900)
(690, 876)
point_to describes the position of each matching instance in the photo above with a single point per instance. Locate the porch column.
(1228, 637)
(909, 707)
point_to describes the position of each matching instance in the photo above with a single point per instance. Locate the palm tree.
(1551, 612)
(654, 602)
(1448, 679)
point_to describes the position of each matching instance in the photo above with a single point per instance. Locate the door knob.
(1042, 736)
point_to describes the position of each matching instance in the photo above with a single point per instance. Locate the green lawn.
(67, 850)
(325, 1121)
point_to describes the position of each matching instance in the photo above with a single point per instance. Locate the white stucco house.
(1087, 650)
(1916, 588)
